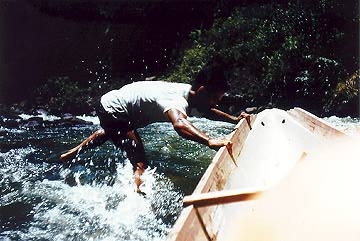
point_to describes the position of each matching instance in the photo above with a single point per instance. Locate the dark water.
(93, 197)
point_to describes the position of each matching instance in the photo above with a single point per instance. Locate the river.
(93, 198)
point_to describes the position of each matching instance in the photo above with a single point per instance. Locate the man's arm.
(218, 115)
(187, 130)
(215, 114)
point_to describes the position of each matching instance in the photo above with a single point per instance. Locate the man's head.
(209, 87)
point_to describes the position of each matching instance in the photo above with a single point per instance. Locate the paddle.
(221, 197)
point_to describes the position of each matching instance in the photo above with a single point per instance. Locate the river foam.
(93, 198)
(84, 211)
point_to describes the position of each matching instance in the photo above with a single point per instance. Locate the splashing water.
(85, 210)
(93, 197)
(93, 212)
(347, 124)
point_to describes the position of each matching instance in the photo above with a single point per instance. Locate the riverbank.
(273, 54)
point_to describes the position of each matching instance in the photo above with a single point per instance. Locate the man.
(123, 111)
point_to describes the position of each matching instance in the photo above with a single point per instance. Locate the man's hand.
(247, 118)
(138, 171)
(219, 142)
(243, 115)
(216, 143)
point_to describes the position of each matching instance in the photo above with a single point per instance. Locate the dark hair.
(213, 78)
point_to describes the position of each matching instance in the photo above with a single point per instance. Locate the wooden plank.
(214, 179)
(218, 172)
(190, 220)
(204, 222)
(221, 197)
(315, 124)
(222, 162)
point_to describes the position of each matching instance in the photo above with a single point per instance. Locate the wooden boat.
(263, 156)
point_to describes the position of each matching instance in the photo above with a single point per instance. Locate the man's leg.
(134, 149)
(98, 138)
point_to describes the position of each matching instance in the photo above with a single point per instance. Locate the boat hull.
(264, 156)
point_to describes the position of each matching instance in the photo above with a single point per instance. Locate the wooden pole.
(220, 197)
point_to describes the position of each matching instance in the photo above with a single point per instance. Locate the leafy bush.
(279, 54)
(346, 95)
(60, 94)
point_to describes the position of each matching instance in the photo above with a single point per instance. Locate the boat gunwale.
(221, 161)
(190, 214)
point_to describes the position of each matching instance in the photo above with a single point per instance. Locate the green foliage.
(194, 60)
(346, 94)
(61, 94)
(283, 54)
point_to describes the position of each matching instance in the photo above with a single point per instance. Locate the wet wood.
(203, 217)
(220, 197)
(315, 124)
(214, 179)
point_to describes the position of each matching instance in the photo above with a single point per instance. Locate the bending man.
(138, 104)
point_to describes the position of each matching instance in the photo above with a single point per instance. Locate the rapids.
(93, 198)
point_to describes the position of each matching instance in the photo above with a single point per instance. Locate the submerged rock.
(251, 110)
(11, 120)
(36, 118)
(69, 120)
(3, 132)
(11, 123)
(40, 112)
(67, 116)
(33, 122)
